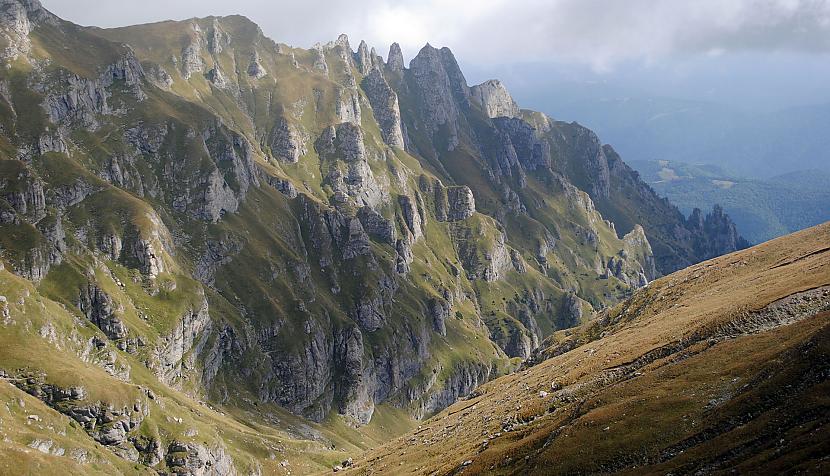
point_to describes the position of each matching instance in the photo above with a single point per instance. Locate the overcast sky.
(597, 32)
(666, 43)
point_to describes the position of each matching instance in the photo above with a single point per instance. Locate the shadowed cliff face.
(315, 229)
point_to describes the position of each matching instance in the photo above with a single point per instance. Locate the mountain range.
(222, 254)
(762, 209)
(754, 138)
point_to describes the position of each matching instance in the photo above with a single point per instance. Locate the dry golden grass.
(692, 373)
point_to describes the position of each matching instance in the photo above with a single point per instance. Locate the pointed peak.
(395, 58)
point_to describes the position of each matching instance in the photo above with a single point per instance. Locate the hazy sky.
(684, 48)
(598, 32)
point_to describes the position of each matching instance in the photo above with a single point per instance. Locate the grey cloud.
(601, 33)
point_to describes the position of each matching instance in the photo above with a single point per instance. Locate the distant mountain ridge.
(748, 143)
(761, 208)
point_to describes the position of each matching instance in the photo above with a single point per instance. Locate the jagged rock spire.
(395, 58)
(363, 58)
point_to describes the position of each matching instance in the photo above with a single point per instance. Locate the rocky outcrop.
(82, 100)
(443, 89)
(413, 217)
(376, 225)
(192, 61)
(463, 379)
(217, 38)
(520, 145)
(439, 311)
(23, 191)
(354, 394)
(344, 143)
(364, 59)
(482, 251)
(347, 105)
(18, 18)
(461, 203)
(403, 254)
(210, 192)
(287, 142)
(99, 308)
(217, 78)
(107, 424)
(394, 60)
(319, 60)
(385, 107)
(715, 234)
(255, 68)
(198, 460)
(494, 98)
(172, 356)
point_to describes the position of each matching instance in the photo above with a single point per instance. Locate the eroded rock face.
(364, 59)
(209, 194)
(521, 145)
(376, 225)
(287, 142)
(467, 376)
(461, 203)
(344, 144)
(189, 333)
(412, 216)
(26, 195)
(439, 310)
(443, 89)
(394, 60)
(19, 18)
(106, 424)
(385, 107)
(494, 98)
(199, 460)
(192, 61)
(99, 308)
(255, 68)
(347, 104)
(319, 60)
(81, 100)
(715, 234)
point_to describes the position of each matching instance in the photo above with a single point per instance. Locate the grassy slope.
(660, 383)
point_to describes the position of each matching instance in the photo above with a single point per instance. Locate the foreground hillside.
(722, 365)
(762, 209)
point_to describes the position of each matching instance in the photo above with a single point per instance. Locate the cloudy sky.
(772, 52)
(601, 33)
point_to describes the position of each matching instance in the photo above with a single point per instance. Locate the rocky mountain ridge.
(320, 230)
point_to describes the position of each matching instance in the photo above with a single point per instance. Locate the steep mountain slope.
(720, 366)
(271, 228)
(761, 209)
